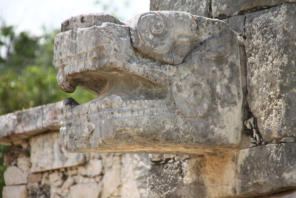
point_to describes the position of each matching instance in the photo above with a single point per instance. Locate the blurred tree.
(27, 76)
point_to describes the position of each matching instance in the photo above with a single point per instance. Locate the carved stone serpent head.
(162, 79)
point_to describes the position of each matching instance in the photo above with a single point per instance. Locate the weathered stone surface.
(93, 168)
(289, 194)
(23, 124)
(112, 177)
(166, 81)
(13, 176)
(87, 21)
(196, 7)
(224, 8)
(23, 162)
(47, 153)
(34, 178)
(91, 190)
(237, 23)
(134, 175)
(19, 191)
(266, 169)
(271, 51)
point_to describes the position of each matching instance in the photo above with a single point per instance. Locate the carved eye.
(151, 26)
(157, 28)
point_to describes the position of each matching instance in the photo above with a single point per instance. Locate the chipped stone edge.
(24, 124)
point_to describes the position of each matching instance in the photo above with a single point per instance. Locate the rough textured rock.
(19, 191)
(196, 7)
(90, 190)
(26, 123)
(164, 80)
(94, 167)
(266, 169)
(224, 8)
(47, 153)
(13, 176)
(176, 87)
(271, 51)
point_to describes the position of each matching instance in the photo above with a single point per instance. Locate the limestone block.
(93, 168)
(237, 23)
(166, 81)
(271, 51)
(111, 182)
(19, 191)
(23, 162)
(196, 7)
(266, 169)
(24, 124)
(34, 178)
(87, 21)
(224, 8)
(14, 175)
(91, 190)
(134, 174)
(47, 153)
(56, 179)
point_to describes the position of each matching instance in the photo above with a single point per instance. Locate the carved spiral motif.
(192, 96)
(151, 28)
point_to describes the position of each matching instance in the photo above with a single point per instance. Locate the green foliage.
(27, 76)
(35, 86)
(2, 168)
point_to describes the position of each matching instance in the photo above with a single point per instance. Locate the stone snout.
(166, 81)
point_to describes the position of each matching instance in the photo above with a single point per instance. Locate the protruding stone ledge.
(166, 81)
(48, 153)
(20, 125)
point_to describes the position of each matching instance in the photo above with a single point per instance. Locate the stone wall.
(263, 164)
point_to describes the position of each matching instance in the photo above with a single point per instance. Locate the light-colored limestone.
(166, 81)
(90, 190)
(47, 153)
(93, 168)
(14, 175)
(14, 192)
(196, 7)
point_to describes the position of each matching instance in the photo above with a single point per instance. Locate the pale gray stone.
(237, 23)
(196, 7)
(93, 168)
(165, 36)
(91, 190)
(23, 162)
(55, 179)
(224, 8)
(47, 153)
(266, 169)
(271, 51)
(166, 81)
(112, 182)
(24, 124)
(13, 176)
(19, 191)
(87, 21)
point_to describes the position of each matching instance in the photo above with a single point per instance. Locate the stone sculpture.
(163, 78)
